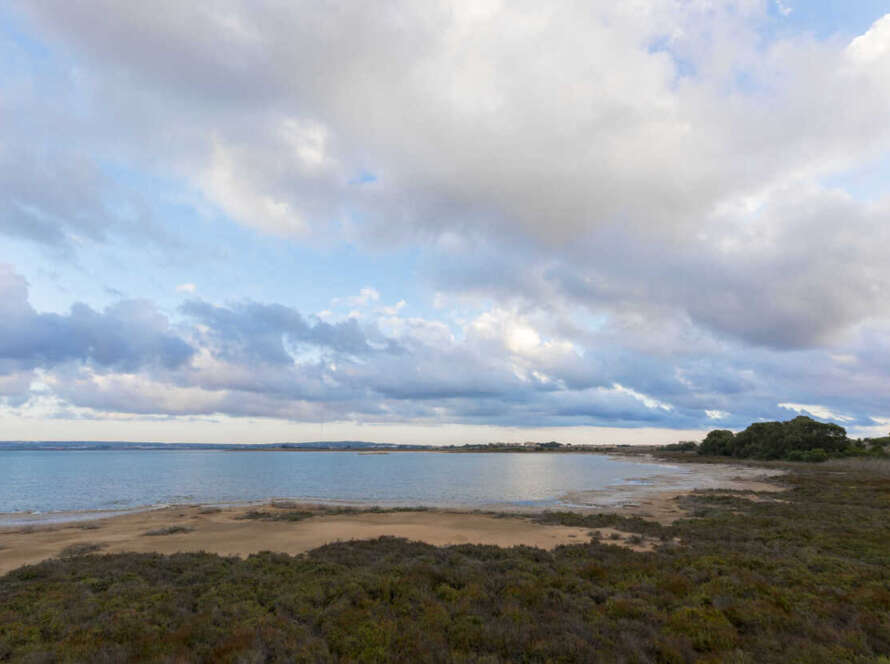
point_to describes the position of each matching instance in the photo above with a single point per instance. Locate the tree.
(800, 438)
(718, 442)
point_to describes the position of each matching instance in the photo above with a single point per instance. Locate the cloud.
(683, 181)
(506, 367)
(783, 8)
(126, 336)
(816, 411)
(627, 210)
(261, 330)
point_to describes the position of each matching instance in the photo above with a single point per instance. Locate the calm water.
(47, 481)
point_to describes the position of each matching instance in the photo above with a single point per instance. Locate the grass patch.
(300, 515)
(168, 530)
(290, 515)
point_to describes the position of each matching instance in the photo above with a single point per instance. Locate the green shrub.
(708, 629)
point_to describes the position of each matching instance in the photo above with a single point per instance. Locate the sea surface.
(50, 485)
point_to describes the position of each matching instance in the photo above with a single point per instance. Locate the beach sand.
(223, 533)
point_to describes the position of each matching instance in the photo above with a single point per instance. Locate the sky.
(442, 222)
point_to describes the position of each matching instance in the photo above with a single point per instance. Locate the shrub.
(708, 629)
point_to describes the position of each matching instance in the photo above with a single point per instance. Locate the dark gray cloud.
(506, 368)
(259, 332)
(125, 337)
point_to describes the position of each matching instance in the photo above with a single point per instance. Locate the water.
(103, 481)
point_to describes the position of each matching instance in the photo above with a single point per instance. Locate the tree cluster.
(799, 439)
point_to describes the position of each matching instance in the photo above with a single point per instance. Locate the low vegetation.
(287, 514)
(168, 530)
(290, 515)
(210, 510)
(80, 549)
(803, 576)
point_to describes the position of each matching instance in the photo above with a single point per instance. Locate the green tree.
(718, 442)
(801, 438)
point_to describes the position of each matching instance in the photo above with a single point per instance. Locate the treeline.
(799, 439)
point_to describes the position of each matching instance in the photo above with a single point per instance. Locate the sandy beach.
(223, 532)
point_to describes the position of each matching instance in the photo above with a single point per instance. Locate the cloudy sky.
(444, 221)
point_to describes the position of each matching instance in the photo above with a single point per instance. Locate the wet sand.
(656, 497)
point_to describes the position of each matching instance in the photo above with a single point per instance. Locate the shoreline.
(682, 475)
(678, 478)
(225, 530)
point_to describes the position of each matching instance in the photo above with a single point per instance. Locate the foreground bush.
(807, 580)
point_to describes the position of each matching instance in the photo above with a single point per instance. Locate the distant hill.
(82, 445)
(344, 445)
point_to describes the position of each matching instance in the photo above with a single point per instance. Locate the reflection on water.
(45, 481)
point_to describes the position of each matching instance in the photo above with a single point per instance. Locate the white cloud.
(365, 298)
(816, 411)
(602, 140)
(716, 414)
(647, 401)
(874, 45)
(186, 288)
(394, 309)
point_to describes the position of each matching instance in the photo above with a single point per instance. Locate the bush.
(813, 456)
(682, 446)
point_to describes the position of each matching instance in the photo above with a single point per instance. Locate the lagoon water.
(64, 481)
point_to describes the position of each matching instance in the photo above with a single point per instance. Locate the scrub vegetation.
(800, 576)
